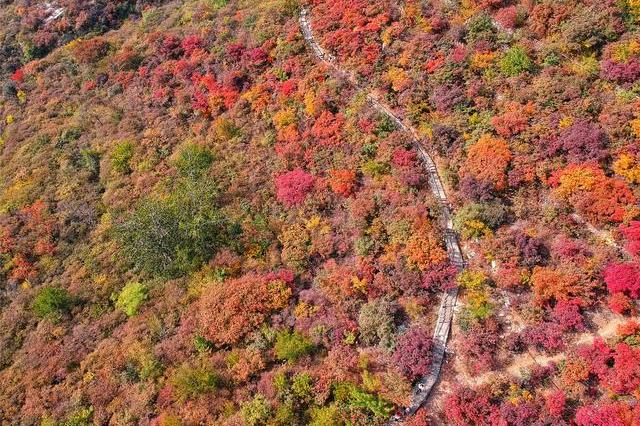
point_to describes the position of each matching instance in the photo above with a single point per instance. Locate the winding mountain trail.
(425, 384)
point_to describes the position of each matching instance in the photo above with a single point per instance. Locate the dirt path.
(423, 387)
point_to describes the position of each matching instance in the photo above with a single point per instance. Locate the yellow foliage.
(635, 126)
(622, 52)
(398, 78)
(634, 8)
(280, 294)
(16, 195)
(482, 60)
(576, 179)
(310, 103)
(474, 228)
(10, 119)
(304, 310)
(315, 223)
(628, 167)
(22, 97)
(386, 37)
(359, 284)
(284, 118)
(565, 122)
(585, 66)
(472, 280)
(516, 394)
(258, 96)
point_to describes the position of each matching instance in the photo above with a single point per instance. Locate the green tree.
(515, 61)
(52, 302)
(131, 297)
(190, 382)
(292, 345)
(375, 322)
(173, 235)
(193, 161)
(121, 157)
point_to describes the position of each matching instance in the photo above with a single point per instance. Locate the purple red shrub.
(413, 352)
(292, 187)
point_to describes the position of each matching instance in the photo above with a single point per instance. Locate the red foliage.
(623, 278)
(621, 304)
(413, 352)
(192, 43)
(567, 315)
(342, 182)
(632, 233)
(18, 76)
(465, 406)
(507, 17)
(581, 142)
(439, 277)
(479, 345)
(547, 336)
(327, 128)
(292, 187)
(556, 401)
(624, 377)
(510, 123)
(607, 414)
(591, 191)
(421, 418)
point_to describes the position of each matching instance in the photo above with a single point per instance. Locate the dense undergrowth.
(199, 224)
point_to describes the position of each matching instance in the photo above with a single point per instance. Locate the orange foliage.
(327, 128)
(555, 285)
(424, 250)
(342, 182)
(235, 307)
(514, 121)
(601, 198)
(487, 161)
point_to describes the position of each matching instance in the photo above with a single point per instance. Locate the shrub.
(466, 406)
(582, 142)
(547, 336)
(323, 416)
(131, 297)
(515, 61)
(193, 161)
(480, 27)
(52, 302)
(257, 411)
(567, 315)
(623, 278)
(121, 157)
(488, 160)
(292, 187)
(490, 215)
(292, 345)
(375, 322)
(91, 162)
(413, 352)
(232, 309)
(190, 382)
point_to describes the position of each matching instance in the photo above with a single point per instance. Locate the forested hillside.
(207, 219)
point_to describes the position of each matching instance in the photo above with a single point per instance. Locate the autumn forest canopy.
(204, 221)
